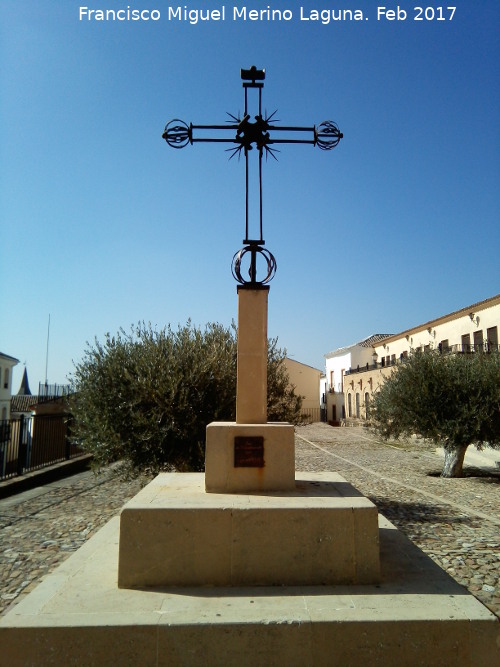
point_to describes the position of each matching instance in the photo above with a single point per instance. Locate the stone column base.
(241, 458)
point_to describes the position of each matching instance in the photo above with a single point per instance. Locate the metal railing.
(48, 392)
(447, 349)
(366, 367)
(30, 443)
(468, 348)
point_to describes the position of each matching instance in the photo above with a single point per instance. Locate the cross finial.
(246, 135)
(253, 74)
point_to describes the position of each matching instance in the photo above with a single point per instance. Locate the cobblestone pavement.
(457, 522)
(40, 528)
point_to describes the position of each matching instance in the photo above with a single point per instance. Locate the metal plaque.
(249, 451)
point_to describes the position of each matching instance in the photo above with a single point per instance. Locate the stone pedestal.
(249, 457)
(322, 532)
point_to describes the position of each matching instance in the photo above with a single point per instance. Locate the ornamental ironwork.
(263, 134)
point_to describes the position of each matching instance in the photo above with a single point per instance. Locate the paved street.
(457, 522)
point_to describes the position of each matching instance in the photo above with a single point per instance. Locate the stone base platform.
(417, 615)
(173, 533)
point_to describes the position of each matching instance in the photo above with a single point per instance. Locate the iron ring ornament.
(255, 250)
(178, 134)
(264, 134)
(327, 135)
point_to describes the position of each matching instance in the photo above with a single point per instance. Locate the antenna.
(47, 353)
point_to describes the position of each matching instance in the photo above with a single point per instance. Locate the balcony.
(490, 346)
(363, 369)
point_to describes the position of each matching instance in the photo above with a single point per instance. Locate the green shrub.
(146, 397)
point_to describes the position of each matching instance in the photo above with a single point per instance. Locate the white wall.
(449, 328)
(6, 365)
(337, 363)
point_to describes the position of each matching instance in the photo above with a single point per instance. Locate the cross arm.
(326, 136)
(178, 134)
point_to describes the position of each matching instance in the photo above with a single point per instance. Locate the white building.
(470, 329)
(338, 362)
(6, 365)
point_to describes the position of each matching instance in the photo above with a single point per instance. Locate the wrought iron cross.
(246, 135)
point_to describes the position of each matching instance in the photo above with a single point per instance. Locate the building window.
(367, 405)
(492, 337)
(357, 405)
(349, 406)
(478, 341)
(466, 343)
(444, 345)
(6, 379)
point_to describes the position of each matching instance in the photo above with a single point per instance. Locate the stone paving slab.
(456, 522)
(416, 616)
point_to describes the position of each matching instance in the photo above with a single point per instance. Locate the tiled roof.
(22, 403)
(373, 340)
(367, 342)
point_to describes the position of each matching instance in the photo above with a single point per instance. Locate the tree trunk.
(453, 460)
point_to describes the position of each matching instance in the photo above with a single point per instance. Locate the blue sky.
(103, 225)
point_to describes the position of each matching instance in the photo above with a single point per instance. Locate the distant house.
(338, 363)
(306, 381)
(7, 363)
(468, 330)
(22, 403)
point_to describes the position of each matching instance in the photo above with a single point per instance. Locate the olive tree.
(145, 397)
(451, 399)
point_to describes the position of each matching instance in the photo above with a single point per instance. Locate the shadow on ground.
(490, 476)
(415, 512)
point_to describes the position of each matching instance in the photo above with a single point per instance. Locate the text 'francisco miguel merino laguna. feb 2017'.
(194, 15)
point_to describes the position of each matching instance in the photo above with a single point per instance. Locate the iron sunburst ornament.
(247, 134)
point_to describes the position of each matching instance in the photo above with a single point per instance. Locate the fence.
(30, 443)
(311, 414)
(48, 392)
